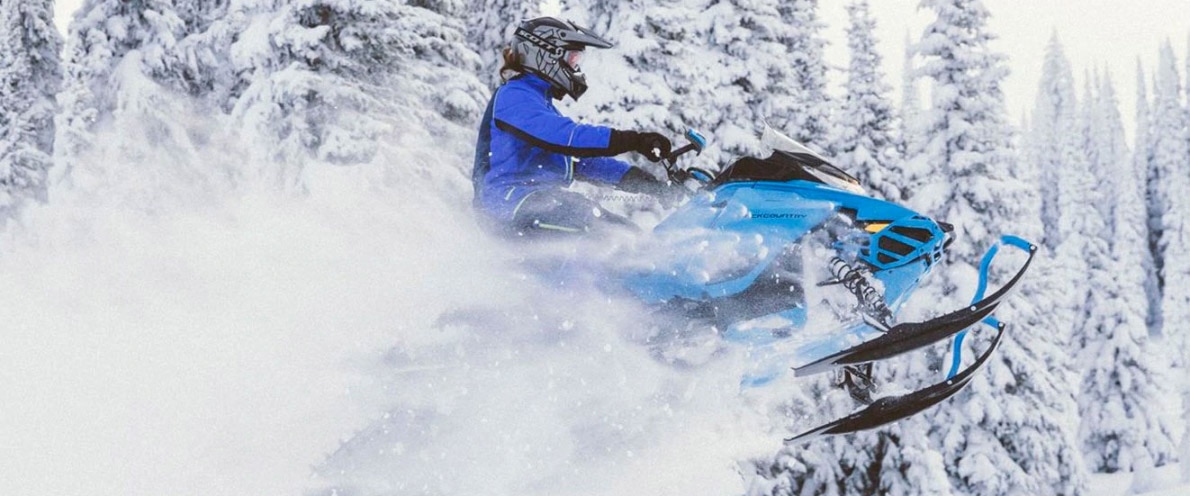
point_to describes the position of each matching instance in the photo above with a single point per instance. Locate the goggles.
(573, 58)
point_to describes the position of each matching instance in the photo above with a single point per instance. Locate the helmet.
(552, 48)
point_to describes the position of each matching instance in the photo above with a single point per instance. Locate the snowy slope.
(1164, 481)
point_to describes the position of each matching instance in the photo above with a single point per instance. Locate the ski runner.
(528, 153)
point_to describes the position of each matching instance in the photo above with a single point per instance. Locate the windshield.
(775, 140)
(813, 163)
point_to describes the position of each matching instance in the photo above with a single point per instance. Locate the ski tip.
(806, 437)
(1018, 242)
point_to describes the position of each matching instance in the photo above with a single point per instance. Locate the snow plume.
(539, 391)
(188, 330)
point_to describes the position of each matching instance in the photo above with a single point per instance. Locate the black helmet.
(551, 48)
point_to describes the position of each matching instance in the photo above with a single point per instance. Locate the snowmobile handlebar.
(697, 142)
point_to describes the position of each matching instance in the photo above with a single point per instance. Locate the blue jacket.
(526, 145)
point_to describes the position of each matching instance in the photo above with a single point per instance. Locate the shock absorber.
(871, 302)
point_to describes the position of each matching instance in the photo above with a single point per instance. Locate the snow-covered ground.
(1163, 481)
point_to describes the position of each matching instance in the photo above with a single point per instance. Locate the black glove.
(653, 146)
(636, 180)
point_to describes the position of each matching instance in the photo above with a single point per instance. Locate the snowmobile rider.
(528, 153)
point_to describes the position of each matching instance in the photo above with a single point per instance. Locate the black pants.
(556, 212)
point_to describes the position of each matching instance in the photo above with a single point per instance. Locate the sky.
(1108, 34)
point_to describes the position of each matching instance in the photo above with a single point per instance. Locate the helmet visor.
(574, 58)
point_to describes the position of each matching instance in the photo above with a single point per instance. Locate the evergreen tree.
(868, 145)
(1169, 169)
(910, 99)
(1007, 433)
(1168, 184)
(327, 79)
(751, 41)
(1121, 381)
(724, 68)
(806, 114)
(1141, 164)
(200, 65)
(489, 31)
(826, 466)
(913, 135)
(682, 64)
(123, 77)
(30, 76)
(1055, 100)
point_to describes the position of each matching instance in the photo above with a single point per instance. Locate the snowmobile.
(786, 217)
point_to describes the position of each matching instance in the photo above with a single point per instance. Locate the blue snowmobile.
(787, 217)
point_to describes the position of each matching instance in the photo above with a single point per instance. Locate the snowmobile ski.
(890, 409)
(909, 336)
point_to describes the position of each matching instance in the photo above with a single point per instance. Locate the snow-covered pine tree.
(834, 466)
(30, 76)
(911, 137)
(910, 97)
(1121, 381)
(682, 64)
(200, 64)
(868, 144)
(900, 457)
(1007, 433)
(1055, 100)
(750, 40)
(1083, 252)
(326, 79)
(1171, 168)
(964, 124)
(489, 31)
(1142, 159)
(724, 68)
(126, 79)
(806, 114)
(1168, 184)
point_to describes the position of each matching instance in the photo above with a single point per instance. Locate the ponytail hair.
(512, 65)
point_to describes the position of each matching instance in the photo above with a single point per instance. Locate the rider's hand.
(654, 146)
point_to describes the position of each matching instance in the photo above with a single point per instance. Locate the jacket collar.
(537, 83)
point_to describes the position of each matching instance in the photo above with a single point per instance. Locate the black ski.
(909, 336)
(893, 408)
